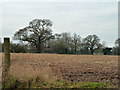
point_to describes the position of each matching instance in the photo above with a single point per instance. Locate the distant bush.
(17, 48)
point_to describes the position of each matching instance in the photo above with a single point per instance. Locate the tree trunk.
(39, 46)
(92, 51)
(39, 49)
(75, 48)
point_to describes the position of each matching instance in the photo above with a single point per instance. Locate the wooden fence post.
(6, 54)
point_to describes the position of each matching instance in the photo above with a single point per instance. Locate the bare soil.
(75, 68)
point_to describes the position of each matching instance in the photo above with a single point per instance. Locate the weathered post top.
(6, 53)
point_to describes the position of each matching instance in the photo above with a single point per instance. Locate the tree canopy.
(37, 32)
(92, 42)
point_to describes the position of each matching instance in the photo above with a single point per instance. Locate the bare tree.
(76, 41)
(116, 49)
(92, 42)
(37, 32)
(117, 42)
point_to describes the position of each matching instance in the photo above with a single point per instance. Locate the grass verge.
(37, 83)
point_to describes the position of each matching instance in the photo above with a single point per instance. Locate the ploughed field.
(75, 68)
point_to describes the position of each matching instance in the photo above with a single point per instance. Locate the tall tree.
(62, 43)
(76, 42)
(37, 32)
(92, 42)
(117, 42)
(116, 49)
(66, 38)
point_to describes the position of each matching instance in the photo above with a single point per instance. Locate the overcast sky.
(83, 18)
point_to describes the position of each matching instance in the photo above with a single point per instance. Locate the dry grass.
(76, 68)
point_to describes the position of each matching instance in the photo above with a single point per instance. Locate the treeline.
(65, 43)
(38, 37)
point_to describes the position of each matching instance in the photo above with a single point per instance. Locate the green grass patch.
(14, 83)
